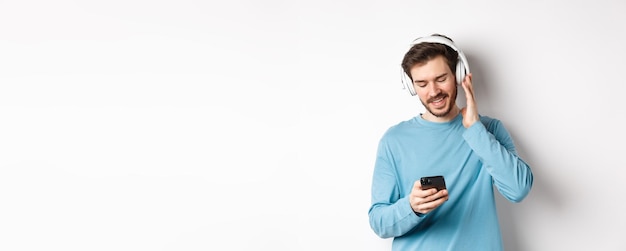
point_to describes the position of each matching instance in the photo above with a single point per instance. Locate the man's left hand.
(470, 111)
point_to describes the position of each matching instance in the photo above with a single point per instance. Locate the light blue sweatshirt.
(472, 160)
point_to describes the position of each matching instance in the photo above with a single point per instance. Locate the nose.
(433, 90)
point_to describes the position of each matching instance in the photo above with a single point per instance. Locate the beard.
(447, 109)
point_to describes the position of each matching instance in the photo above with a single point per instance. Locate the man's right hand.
(424, 201)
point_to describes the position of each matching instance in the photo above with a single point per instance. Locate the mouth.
(438, 101)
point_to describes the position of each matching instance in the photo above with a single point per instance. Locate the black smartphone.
(433, 181)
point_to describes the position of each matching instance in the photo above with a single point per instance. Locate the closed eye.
(438, 79)
(420, 83)
(442, 79)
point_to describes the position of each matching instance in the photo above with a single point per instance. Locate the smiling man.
(436, 88)
(473, 153)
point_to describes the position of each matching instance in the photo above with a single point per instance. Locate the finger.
(425, 207)
(467, 86)
(440, 194)
(417, 185)
(423, 194)
(426, 204)
(468, 79)
(429, 195)
(437, 195)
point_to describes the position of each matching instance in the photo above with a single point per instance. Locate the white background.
(252, 125)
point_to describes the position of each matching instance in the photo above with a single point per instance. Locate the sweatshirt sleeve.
(495, 147)
(390, 215)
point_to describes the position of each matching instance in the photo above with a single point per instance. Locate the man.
(474, 154)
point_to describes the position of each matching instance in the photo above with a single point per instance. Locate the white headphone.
(462, 68)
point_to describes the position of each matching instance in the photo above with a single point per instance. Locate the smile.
(438, 101)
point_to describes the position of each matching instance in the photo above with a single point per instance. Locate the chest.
(431, 153)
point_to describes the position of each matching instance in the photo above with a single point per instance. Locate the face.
(436, 88)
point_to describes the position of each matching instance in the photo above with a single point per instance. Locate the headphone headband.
(462, 67)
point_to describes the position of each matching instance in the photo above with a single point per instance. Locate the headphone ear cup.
(407, 84)
(460, 72)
